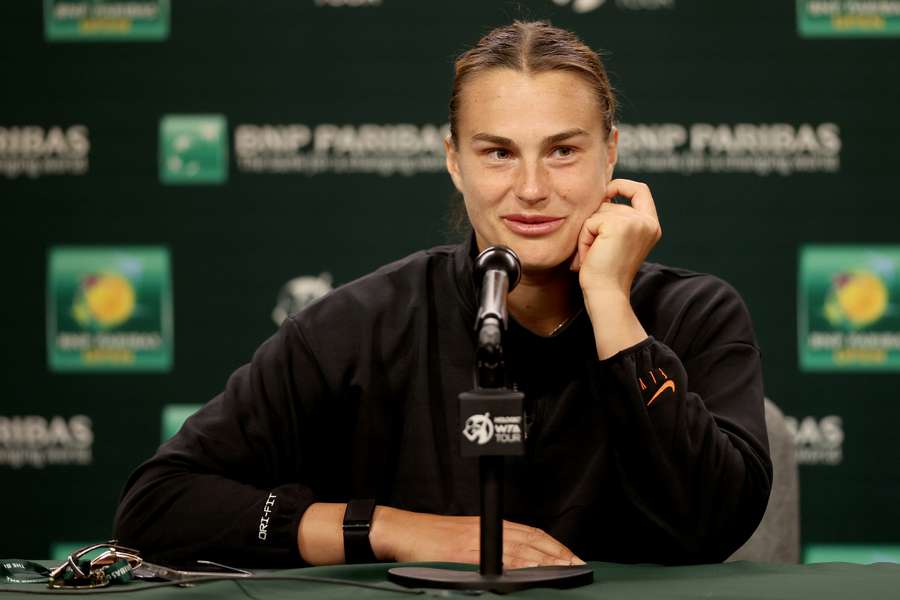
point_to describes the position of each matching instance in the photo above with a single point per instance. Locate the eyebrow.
(553, 139)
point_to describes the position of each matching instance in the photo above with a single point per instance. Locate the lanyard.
(13, 570)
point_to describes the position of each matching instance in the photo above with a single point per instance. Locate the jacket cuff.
(276, 521)
(649, 372)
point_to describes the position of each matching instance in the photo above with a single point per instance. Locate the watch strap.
(357, 524)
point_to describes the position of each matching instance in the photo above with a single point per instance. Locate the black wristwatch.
(357, 523)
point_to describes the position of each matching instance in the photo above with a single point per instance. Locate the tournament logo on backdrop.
(109, 309)
(35, 151)
(298, 293)
(848, 18)
(383, 149)
(97, 20)
(848, 317)
(754, 148)
(37, 441)
(193, 149)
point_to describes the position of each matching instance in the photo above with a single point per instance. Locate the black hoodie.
(657, 454)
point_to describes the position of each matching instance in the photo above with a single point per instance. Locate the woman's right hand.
(404, 536)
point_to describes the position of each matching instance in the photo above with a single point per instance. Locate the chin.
(540, 256)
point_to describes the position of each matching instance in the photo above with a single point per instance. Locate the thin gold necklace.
(564, 322)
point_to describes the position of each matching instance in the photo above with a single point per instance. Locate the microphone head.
(500, 258)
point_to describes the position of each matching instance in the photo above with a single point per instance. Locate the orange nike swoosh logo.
(669, 385)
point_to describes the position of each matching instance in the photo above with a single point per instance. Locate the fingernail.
(577, 561)
(563, 562)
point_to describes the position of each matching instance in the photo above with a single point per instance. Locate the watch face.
(359, 513)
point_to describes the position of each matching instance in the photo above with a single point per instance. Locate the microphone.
(497, 271)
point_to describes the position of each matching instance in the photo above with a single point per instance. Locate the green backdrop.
(247, 143)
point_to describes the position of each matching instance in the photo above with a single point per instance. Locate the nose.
(532, 182)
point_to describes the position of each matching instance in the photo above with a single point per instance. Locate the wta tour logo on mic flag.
(98, 20)
(849, 308)
(109, 309)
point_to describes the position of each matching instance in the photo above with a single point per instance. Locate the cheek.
(483, 186)
(584, 193)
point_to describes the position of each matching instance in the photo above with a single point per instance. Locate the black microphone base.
(510, 581)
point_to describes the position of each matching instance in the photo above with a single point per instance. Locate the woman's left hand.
(616, 239)
(613, 243)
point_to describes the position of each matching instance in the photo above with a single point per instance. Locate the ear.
(452, 155)
(612, 152)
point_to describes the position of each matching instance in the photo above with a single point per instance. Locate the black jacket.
(658, 454)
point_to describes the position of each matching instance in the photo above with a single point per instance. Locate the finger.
(524, 554)
(539, 540)
(638, 193)
(555, 552)
(513, 562)
(589, 231)
(519, 557)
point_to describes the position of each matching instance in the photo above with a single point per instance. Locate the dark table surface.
(611, 581)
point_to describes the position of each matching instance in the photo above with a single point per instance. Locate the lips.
(532, 225)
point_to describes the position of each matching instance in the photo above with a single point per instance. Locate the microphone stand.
(494, 428)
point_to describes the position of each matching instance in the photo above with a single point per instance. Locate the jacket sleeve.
(690, 445)
(229, 486)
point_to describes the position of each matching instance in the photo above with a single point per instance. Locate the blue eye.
(500, 153)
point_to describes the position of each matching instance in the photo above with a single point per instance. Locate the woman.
(646, 439)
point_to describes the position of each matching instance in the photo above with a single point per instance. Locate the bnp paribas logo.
(849, 308)
(109, 309)
(193, 149)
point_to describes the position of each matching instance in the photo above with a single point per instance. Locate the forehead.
(512, 104)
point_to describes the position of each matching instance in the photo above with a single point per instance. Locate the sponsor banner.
(109, 309)
(193, 149)
(98, 20)
(309, 149)
(851, 553)
(584, 6)
(753, 148)
(848, 311)
(173, 417)
(37, 441)
(35, 150)
(848, 18)
(817, 441)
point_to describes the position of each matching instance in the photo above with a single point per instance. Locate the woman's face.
(532, 161)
